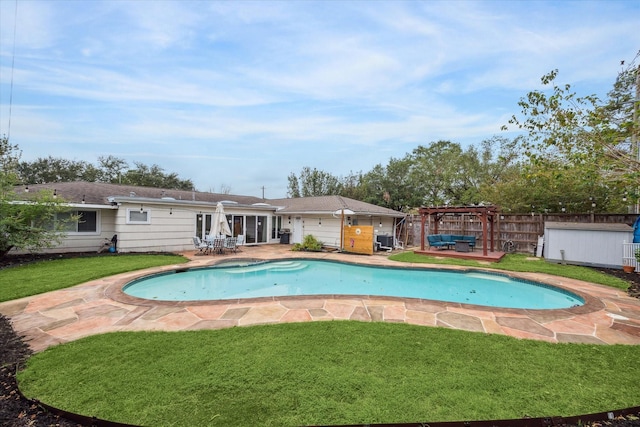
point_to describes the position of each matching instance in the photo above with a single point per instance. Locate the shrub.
(310, 243)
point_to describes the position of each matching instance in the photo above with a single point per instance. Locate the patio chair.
(201, 246)
(240, 240)
(231, 244)
(216, 245)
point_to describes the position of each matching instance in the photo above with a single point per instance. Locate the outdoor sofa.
(449, 240)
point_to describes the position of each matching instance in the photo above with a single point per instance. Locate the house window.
(87, 221)
(138, 216)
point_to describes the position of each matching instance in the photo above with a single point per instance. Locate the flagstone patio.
(609, 315)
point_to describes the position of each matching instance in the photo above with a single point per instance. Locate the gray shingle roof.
(331, 204)
(98, 193)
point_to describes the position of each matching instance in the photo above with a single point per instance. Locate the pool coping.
(591, 304)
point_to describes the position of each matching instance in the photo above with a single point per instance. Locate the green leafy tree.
(26, 224)
(293, 186)
(373, 184)
(549, 189)
(594, 143)
(154, 176)
(313, 182)
(52, 169)
(111, 169)
(440, 173)
(352, 186)
(390, 186)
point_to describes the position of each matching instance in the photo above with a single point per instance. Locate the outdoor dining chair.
(216, 245)
(230, 244)
(201, 246)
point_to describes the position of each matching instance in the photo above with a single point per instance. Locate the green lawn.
(45, 276)
(523, 263)
(338, 372)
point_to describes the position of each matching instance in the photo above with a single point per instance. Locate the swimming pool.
(312, 277)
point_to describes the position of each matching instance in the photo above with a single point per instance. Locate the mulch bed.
(16, 411)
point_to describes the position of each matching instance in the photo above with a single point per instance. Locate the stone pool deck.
(609, 315)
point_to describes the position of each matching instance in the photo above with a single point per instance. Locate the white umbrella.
(219, 224)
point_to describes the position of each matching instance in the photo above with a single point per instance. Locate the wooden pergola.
(487, 215)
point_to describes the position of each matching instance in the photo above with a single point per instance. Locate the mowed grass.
(522, 263)
(324, 373)
(45, 276)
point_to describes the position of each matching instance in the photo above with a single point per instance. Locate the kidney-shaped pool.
(312, 277)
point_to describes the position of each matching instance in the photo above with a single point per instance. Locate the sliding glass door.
(256, 229)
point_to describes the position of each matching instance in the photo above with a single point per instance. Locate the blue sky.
(239, 94)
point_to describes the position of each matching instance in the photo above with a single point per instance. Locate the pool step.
(492, 277)
(277, 266)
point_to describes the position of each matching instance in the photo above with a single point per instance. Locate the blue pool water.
(307, 277)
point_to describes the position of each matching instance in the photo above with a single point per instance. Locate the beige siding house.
(323, 216)
(153, 219)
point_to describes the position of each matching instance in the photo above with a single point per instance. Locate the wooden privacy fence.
(521, 229)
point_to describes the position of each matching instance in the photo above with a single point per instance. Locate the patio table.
(462, 246)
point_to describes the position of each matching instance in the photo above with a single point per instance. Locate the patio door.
(296, 235)
(237, 225)
(256, 229)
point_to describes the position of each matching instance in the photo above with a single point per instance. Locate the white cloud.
(278, 85)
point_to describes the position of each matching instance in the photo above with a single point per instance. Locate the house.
(154, 219)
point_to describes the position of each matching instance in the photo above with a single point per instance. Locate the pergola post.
(484, 235)
(422, 231)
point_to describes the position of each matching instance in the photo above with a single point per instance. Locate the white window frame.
(128, 219)
(75, 232)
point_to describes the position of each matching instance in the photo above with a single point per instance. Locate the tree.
(436, 174)
(110, 169)
(26, 224)
(440, 174)
(352, 186)
(293, 186)
(373, 185)
(52, 169)
(582, 136)
(622, 114)
(556, 189)
(391, 186)
(313, 182)
(154, 176)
